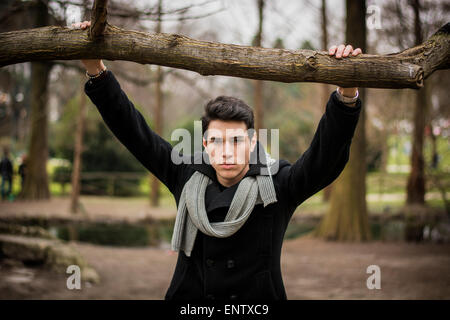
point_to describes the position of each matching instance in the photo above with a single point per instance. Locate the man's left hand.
(340, 52)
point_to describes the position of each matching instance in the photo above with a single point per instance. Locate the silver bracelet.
(345, 99)
(90, 76)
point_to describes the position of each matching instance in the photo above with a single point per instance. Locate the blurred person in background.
(6, 171)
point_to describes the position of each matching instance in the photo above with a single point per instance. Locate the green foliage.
(295, 230)
(165, 229)
(102, 151)
(306, 44)
(62, 174)
(109, 234)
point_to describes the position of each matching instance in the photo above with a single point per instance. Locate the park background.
(117, 221)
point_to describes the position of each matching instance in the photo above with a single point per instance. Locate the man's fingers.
(340, 50)
(356, 51)
(343, 51)
(85, 24)
(81, 25)
(347, 50)
(332, 50)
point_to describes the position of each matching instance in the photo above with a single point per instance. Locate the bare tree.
(158, 112)
(416, 181)
(258, 84)
(325, 88)
(346, 218)
(78, 149)
(36, 183)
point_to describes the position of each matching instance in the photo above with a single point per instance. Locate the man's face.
(229, 147)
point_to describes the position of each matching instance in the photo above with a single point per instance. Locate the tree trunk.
(347, 218)
(155, 194)
(258, 84)
(78, 151)
(434, 152)
(325, 88)
(416, 180)
(36, 183)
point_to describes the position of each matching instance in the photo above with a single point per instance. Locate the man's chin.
(228, 174)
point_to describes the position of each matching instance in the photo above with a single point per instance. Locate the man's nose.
(228, 151)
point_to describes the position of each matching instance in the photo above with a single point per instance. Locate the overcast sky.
(237, 20)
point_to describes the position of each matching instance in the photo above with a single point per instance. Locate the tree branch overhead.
(406, 69)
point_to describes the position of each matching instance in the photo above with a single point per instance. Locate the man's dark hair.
(227, 108)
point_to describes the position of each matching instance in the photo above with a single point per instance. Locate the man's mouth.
(227, 165)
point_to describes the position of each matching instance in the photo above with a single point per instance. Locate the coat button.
(209, 262)
(230, 264)
(233, 297)
(210, 297)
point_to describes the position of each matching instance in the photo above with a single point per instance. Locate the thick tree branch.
(406, 69)
(119, 73)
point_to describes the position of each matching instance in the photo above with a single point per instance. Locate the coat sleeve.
(130, 127)
(326, 156)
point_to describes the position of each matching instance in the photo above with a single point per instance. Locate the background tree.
(155, 194)
(325, 94)
(79, 133)
(416, 182)
(404, 27)
(258, 104)
(36, 183)
(346, 218)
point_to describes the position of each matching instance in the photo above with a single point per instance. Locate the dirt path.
(115, 208)
(312, 269)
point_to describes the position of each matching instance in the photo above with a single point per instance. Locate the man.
(231, 217)
(6, 171)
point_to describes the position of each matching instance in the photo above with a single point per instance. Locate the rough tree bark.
(406, 69)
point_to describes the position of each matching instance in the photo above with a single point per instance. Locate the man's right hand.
(93, 66)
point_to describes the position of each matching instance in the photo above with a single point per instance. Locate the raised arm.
(327, 154)
(329, 150)
(128, 124)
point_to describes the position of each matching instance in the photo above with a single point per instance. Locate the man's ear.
(204, 143)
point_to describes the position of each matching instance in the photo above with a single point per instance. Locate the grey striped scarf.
(192, 216)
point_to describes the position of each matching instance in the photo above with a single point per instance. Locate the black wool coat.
(245, 265)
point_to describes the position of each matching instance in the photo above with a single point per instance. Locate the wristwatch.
(346, 100)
